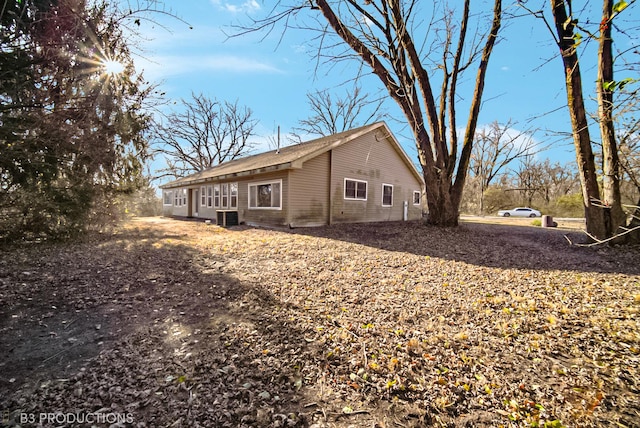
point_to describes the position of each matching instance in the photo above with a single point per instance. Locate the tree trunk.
(595, 216)
(443, 210)
(441, 201)
(610, 162)
(408, 83)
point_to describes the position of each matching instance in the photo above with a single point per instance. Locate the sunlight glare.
(112, 67)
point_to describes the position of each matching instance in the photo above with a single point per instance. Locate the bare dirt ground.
(182, 324)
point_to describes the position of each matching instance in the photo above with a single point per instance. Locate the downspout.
(288, 220)
(329, 193)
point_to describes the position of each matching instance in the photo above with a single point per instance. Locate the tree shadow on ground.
(501, 246)
(152, 324)
(143, 324)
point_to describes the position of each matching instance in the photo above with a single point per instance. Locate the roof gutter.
(264, 170)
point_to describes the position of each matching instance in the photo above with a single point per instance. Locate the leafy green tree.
(72, 128)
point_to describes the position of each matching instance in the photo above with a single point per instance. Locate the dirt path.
(170, 323)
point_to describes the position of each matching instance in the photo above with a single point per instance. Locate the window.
(416, 198)
(203, 197)
(167, 197)
(387, 195)
(233, 191)
(180, 197)
(267, 195)
(355, 189)
(216, 196)
(209, 196)
(225, 195)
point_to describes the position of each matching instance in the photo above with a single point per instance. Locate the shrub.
(497, 199)
(569, 206)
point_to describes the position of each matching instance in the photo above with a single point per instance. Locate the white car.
(520, 212)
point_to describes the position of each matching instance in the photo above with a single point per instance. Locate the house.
(361, 175)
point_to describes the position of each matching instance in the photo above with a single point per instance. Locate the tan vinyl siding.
(373, 159)
(167, 210)
(205, 211)
(251, 216)
(263, 216)
(177, 210)
(309, 197)
(167, 202)
(312, 177)
(209, 212)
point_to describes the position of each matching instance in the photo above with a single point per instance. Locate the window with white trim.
(167, 197)
(216, 196)
(416, 198)
(203, 197)
(180, 197)
(225, 195)
(265, 195)
(233, 192)
(355, 189)
(209, 196)
(387, 195)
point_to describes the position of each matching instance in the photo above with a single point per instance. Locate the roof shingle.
(285, 158)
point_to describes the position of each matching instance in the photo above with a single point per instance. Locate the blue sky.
(524, 81)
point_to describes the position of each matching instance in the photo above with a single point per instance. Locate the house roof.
(286, 158)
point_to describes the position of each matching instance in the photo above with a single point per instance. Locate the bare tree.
(495, 147)
(543, 181)
(605, 87)
(205, 133)
(557, 180)
(630, 155)
(407, 50)
(629, 137)
(331, 115)
(566, 39)
(603, 217)
(529, 178)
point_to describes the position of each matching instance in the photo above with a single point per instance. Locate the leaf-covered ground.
(185, 324)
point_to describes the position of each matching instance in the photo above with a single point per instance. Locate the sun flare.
(112, 67)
